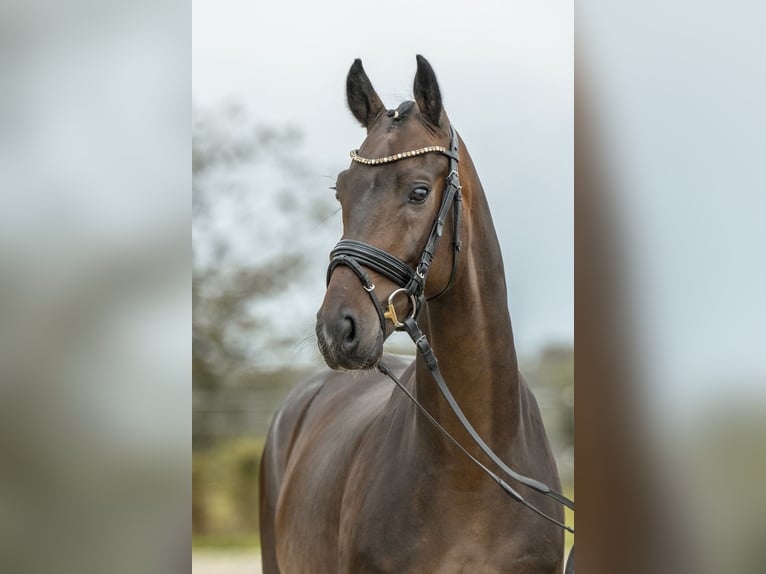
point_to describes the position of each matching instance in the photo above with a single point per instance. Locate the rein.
(356, 254)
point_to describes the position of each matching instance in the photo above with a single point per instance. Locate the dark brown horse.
(353, 477)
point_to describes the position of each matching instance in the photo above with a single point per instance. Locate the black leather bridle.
(412, 282)
(357, 255)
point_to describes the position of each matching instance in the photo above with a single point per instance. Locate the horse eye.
(419, 194)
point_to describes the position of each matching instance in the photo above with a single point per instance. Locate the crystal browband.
(398, 156)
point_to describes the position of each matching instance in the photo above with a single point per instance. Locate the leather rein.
(357, 255)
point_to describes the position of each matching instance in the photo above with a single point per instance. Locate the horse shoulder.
(282, 432)
(318, 460)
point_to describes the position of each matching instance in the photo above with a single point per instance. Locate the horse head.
(390, 196)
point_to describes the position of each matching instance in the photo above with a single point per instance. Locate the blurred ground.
(226, 563)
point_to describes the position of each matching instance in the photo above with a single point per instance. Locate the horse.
(354, 478)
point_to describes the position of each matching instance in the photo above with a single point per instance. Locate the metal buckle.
(391, 313)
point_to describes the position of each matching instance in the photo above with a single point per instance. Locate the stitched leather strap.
(370, 256)
(367, 283)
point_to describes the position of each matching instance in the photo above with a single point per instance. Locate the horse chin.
(363, 357)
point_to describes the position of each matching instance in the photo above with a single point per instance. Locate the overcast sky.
(506, 76)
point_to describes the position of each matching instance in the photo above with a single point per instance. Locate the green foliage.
(551, 376)
(569, 520)
(225, 492)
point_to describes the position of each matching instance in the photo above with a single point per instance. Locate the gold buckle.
(391, 313)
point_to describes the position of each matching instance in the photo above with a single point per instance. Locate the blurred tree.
(252, 196)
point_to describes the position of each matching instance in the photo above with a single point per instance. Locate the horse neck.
(469, 328)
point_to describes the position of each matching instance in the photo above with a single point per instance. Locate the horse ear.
(362, 98)
(426, 90)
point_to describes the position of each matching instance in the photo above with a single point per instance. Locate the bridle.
(412, 282)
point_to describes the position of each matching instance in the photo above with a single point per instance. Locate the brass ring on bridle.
(391, 312)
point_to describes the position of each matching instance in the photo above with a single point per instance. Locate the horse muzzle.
(347, 341)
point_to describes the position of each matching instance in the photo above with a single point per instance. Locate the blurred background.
(670, 198)
(94, 286)
(97, 442)
(271, 129)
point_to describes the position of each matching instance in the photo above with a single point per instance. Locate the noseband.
(356, 255)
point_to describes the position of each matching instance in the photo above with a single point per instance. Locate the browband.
(397, 156)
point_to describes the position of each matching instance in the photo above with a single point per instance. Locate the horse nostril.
(348, 331)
